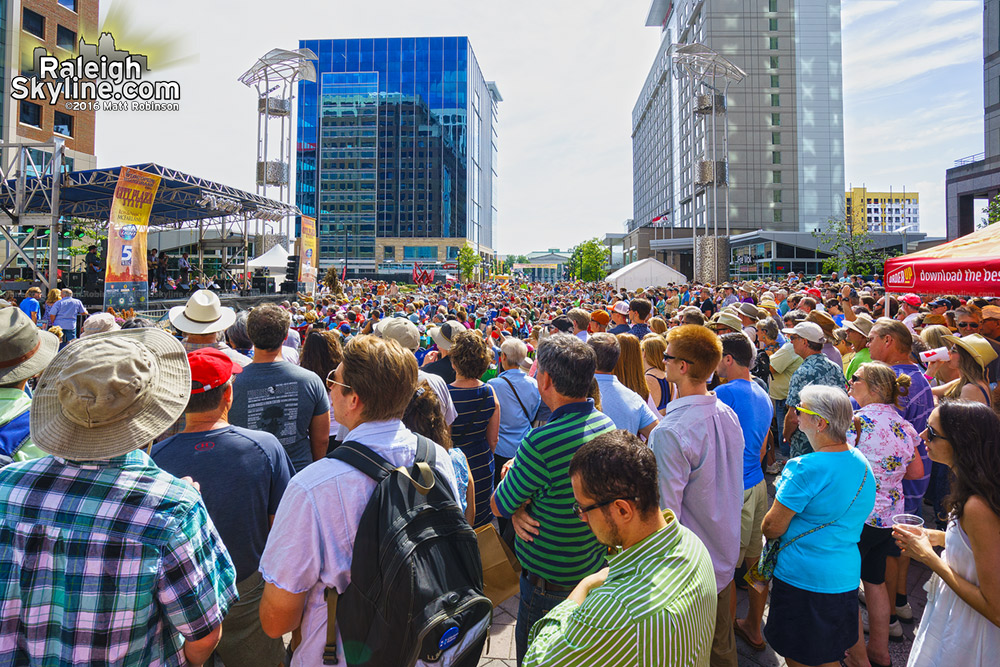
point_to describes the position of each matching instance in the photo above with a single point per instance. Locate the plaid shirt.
(110, 562)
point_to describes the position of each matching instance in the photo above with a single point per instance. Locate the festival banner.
(308, 271)
(125, 282)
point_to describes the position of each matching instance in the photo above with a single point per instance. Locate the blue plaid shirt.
(108, 562)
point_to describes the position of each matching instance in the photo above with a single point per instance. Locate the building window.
(775, 157)
(33, 23)
(31, 113)
(775, 80)
(772, 5)
(390, 252)
(68, 4)
(63, 124)
(776, 138)
(775, 100)
(776, 119)
(772, 43)
(772, 24)
(420, 252)
(65, 38)
(777, 214)
(777, 196)
(776, 177)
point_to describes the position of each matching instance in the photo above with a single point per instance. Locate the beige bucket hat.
(25, 350)
(108, 394)
(202, 314)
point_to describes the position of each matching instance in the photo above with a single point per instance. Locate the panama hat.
(25, 350)
(861, 324)
(976, 345)
(110, 393)
(726, 319)
(202, 314)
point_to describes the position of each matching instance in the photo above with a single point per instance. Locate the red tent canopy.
(968, 265)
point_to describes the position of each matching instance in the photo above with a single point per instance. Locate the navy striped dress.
(475, 407)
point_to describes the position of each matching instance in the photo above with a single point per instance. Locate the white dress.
(951, 632)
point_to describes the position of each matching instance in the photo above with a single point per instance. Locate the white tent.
(275, 258)
(647, 272)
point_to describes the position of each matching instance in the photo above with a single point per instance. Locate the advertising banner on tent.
(968, 265)
(125, 281)
(308, 271)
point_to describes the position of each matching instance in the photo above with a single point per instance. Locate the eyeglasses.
(330, 381)
(582, 511)
(967, 325)
(800, 410)
(670, 357)
(934, 434)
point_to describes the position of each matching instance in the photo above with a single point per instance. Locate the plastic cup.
(908, 520)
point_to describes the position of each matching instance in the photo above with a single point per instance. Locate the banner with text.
(308, 271)
(125, 283)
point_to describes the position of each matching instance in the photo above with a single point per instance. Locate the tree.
(992, 213)
(852, 246)
(95, 232)
(588, 259)
(468, 262)
(508, 264)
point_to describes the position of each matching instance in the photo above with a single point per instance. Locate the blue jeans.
(779, 413)
(68, 335)
(535, 603)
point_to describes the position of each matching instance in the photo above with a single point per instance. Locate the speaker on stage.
(75, 279)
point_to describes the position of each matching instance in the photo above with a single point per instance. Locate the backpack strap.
(364, 459)
(330, 650)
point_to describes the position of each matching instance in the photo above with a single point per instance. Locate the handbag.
(501, 569)
(761, 574)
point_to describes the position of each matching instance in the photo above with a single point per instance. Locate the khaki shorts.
(754, 509)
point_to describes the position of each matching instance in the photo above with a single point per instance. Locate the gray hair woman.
(822, 502)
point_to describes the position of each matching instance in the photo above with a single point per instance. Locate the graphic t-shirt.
(281, 399)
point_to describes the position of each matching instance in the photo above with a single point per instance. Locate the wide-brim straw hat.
(25, 350)
(110, 393)
(862, 324)
(202, 314)
(976, 345)
(725, 319)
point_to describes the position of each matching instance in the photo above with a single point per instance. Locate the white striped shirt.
(656, 607)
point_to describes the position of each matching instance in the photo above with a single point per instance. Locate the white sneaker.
(861, 596)
(895, 629)
(775, 468)
(905, 613)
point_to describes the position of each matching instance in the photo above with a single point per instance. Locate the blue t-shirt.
(754, 410)
(242, 474)
(819, 487)
(30, 305)
(625, 407)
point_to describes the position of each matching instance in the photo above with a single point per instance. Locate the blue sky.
(570, 72)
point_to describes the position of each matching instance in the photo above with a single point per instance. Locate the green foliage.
(508, 264)
(992, 213)
(94, 233)
(468, 262)
(588, 259)
(853, 249)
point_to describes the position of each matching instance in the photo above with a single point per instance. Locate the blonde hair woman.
(653, 349)
(969, 356)
(628, 370)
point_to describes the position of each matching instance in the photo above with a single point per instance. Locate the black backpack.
(416, 576)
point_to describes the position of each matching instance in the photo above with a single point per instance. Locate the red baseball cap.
(211, 368)
(912, 299)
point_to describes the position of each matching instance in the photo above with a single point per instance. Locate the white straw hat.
(110, 393)
(202, 314)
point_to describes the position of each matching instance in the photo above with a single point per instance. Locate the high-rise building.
(977, 177)
(56, 25)
(397, 152)
(883, 211)
(785, 119)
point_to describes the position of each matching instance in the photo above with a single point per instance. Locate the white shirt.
(699, 459)
(440, 388)
(310, 545)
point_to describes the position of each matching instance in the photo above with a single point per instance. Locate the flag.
(343, 275)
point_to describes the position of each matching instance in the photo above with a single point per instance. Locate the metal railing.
(970, 159)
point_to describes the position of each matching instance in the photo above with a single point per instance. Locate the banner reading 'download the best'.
(125, 283)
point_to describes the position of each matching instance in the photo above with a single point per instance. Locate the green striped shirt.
(565, 551)
(656, 607)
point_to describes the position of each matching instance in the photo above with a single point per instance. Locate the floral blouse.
(889, 443)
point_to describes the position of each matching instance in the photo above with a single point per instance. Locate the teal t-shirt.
(818, 487)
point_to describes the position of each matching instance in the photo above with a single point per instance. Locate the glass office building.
(396, 152)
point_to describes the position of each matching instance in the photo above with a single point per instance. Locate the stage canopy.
(181, 198)
(968, 265)
(276, 259)
(647, 272)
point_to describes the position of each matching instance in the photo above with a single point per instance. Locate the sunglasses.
(670, 357)
(856, 378)
(330, 381)
(934, 434)
(800, 410)
(967, 325)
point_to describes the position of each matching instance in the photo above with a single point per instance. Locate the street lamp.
(903, 230)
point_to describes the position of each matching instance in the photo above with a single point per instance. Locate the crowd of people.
(171, 493)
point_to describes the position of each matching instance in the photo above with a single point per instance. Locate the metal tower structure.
(274, 76)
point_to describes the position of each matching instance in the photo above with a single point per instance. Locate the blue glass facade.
(396, 141)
